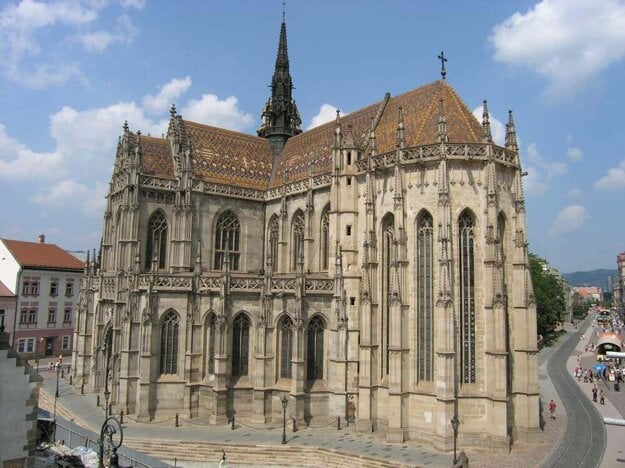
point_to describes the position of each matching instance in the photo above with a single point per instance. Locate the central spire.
(280, 117)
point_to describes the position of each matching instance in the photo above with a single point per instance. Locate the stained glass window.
(316, 328)
(466, 227)
(227, 233)
(169, 343)
(157, 240)
(240, 345)
(425, 293)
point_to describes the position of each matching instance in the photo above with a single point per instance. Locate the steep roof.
(228, 157)
(4, 291)
(234, 158)
(42, 255)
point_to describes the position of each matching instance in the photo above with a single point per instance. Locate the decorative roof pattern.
(157, 160)
(227, 157)
(41, 255)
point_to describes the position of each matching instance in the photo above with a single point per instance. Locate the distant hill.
(590, 278)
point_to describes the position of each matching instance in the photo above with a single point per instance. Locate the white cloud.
(327, 113)
(91, 199)
(138, 4)
(497, 127)
(574, 153)
(568, 219)
(212, 111)
(574, 193)
(167, 94)
(17, 160)
(99, 41)
(540, 171)
(36, 38)
(614, 179)
(568, 41)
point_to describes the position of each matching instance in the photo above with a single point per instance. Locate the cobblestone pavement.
(85, 412)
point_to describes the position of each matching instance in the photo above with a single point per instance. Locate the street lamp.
(285, 403)
(110, 427)
(56, 396)
(454, 425)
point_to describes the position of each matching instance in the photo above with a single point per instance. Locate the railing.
(74, 438)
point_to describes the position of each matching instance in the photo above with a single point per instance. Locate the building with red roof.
(39, 285)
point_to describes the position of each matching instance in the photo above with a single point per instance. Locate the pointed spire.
(511, 141)
(442, 122)
(87, 263)
(125, 127)
(300, 260)
(172, 111)
(400, 129)
(337, 130)
(139, 147)
(372, 139)
(487, 136)
(225, 260)
(198, 259)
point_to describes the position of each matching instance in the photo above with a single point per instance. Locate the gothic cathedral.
(374, 268)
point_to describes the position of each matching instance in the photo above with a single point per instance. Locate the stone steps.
(284, 455)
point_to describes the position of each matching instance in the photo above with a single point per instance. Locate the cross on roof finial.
(442, 58)
(283, 11)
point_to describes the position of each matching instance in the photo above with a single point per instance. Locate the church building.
(374, 268)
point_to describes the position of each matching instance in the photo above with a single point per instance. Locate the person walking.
(602, 398)
(594, 395)
(552, 409)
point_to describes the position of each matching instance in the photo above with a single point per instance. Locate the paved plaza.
(556, 436)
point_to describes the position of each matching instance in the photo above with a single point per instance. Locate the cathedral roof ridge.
(224, 130)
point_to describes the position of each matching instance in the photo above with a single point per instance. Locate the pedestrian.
(602, 398)
(594, 395)
(552, 409)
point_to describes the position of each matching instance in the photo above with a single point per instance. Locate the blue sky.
(72, 71)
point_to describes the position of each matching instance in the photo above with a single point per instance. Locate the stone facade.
(374, 268)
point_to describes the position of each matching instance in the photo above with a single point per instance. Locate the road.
(584, 439)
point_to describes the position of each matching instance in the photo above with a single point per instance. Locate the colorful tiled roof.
(4, 291)
(42, 255)
(234, 158)
(228, 157)
(157, 160)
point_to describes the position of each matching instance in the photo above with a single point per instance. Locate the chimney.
(42, 239)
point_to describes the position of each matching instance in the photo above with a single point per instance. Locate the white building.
(46, 281)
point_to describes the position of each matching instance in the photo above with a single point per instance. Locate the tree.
(549, 295)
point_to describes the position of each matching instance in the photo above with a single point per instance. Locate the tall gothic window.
(298, 237)
(466, 227)
(169, 343)
(240, 345)
(273, 236)
(227, 234)
(388, 235)
(210, 343)
(316, 328)
(286, 346)
(425, 294)
(325, 239)
(157, 239)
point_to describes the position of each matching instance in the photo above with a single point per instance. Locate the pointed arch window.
(286, 347)
(227, 237)
(466, 228)
(314, 368)
(273, 236)
(298, 237)
(325, 239)
(210, 343)
(388, 236)
(425, 297)
(156, 247)
(240, 345)
(169, 343)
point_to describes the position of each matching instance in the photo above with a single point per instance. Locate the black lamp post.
(110, 427)
(285, 403)
(56, 397)
(454, 425)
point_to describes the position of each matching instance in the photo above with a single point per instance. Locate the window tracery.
(156, 246)
(286, 347)
(169, 343)
(240, 345)
(316, 328)
(227, 236)
(466, 226)
(425, 297)
(298, 237)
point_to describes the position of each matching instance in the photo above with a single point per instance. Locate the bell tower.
(280, 117)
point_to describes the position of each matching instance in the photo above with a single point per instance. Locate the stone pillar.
(298, 372)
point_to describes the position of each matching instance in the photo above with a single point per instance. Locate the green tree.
(549, 295)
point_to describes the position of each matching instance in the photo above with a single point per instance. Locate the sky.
(72, 71)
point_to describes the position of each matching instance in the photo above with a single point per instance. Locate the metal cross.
(283, 11)
(442, 58)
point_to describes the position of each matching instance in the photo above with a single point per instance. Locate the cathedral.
(374, 268)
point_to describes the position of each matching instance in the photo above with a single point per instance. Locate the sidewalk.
(614, 454)
(347, 440)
